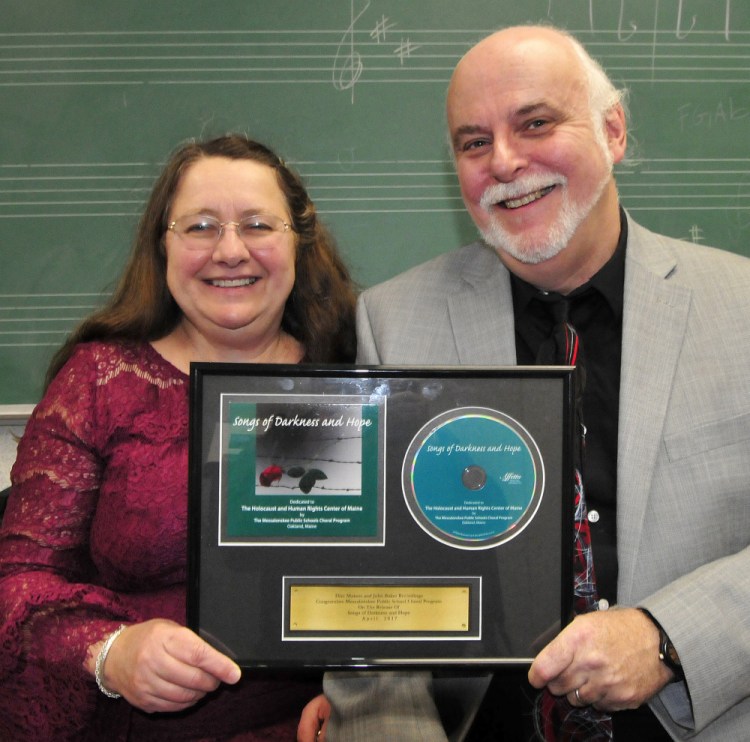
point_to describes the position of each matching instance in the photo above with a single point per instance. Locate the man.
(536, 128)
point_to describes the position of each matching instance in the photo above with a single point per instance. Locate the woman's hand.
(159, 665)
(314, 720)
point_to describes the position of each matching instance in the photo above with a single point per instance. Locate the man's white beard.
(522, 246)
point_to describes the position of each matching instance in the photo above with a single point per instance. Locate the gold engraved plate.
(379, 608)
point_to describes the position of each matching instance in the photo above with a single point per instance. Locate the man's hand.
(610, 657)
(314, 720)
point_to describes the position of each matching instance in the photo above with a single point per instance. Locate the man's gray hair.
(603, 95)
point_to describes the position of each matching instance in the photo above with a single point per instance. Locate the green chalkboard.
(95, 93)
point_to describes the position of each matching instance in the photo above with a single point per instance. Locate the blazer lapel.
(654, 324)
(481, 313)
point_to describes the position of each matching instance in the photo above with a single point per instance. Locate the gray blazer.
(683, 497)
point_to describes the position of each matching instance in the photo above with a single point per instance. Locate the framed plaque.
(378, 516)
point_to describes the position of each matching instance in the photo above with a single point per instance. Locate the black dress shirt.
(596, 313)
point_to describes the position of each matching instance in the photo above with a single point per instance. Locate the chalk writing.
(620, 34)
(347, 67)
(678, 33)
(626, 27)
(700, 117)
(404, 49)
(348, 64)
(381, 27)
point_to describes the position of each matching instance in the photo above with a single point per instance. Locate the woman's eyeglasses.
(201, 232)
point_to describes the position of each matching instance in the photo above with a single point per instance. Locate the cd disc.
(473, 478)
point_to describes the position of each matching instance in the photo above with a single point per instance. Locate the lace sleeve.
(51, 607)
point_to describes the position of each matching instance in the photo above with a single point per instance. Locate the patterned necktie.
(556, 720)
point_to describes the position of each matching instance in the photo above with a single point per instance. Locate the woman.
(230, 263)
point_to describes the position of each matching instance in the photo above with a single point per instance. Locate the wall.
(95, 94)
(10, 430)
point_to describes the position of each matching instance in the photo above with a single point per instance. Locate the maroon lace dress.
(94, 536)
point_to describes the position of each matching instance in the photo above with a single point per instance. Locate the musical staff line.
(35, 323)
(387, 187)
(359, 57)
(378, 183)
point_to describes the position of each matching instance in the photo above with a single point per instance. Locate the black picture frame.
(379, 516)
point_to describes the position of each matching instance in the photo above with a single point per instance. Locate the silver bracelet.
(100, 659)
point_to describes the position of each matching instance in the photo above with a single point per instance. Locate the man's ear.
(615, 128)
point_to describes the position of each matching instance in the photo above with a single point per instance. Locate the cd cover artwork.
(299, 471)
(473, 478)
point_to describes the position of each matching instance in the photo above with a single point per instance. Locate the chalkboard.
(95, 93)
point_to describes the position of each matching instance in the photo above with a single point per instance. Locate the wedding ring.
(578, 697)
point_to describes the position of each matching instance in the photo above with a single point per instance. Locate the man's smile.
(516, 203)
